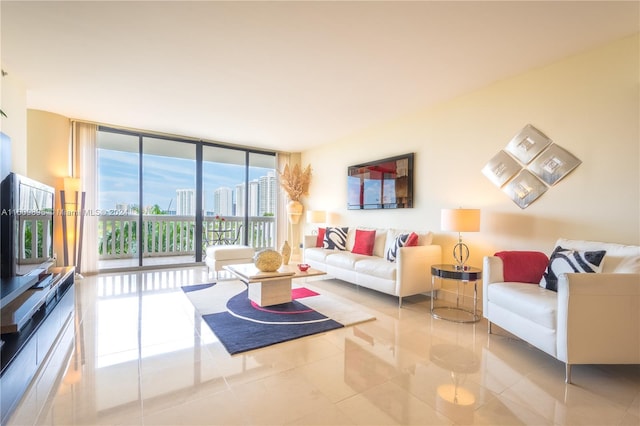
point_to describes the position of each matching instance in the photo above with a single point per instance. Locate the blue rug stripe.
(237, 335)
(284, 312)
(243, 326)
(196, 287)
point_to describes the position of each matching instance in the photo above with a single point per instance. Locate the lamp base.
(461, 255)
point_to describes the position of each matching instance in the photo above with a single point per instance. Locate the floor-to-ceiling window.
(168, 201)
(164, 200)
(118, 171)
(239, 205)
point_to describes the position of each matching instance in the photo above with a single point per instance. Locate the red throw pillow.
(412, 241)
(320, 237)
(364, 242)
(523, 266)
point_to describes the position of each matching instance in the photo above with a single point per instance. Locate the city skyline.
(162, 178)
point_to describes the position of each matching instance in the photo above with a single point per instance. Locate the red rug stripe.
(302, 292)
(296, 293)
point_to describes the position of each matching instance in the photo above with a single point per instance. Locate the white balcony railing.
(34, 239)
(168, 235)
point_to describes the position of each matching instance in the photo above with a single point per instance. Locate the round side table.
(456, 313)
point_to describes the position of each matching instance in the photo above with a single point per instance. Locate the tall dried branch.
(295, 181)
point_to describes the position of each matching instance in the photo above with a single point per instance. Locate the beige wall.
(48, 158)
(48, 150)
(588, 104)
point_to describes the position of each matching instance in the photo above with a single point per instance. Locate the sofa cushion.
(381, 242)
(230, 252)
(335, 238)
(523, 266)
(402, 240)
(377, 267)
(343, 259)
(616, 253)
(318, 254)
(530, 301)
(365, 239)
(629, 265)
(320, 237)
(567, 261)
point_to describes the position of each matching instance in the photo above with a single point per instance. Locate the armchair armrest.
(309, 241)
(492, 272)
(599, 318)
(414, 268)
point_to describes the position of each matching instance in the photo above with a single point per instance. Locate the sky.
(118, 178)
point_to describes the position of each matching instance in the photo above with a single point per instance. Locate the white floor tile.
(146, 358)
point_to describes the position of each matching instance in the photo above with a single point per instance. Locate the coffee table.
(269, 288)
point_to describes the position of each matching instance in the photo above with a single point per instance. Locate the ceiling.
(283, 75)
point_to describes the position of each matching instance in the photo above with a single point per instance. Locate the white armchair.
(593, 318)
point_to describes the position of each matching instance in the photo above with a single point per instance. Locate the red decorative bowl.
(303, 266)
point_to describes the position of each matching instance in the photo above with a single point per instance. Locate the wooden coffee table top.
(300, 274)
(249, 272)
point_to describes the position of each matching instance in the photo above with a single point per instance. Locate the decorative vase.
(286, 252)
(267, 260)
(294, 211)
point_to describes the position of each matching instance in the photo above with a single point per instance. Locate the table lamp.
(316, 216)
(460, 220)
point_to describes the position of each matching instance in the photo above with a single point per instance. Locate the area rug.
(241, 325)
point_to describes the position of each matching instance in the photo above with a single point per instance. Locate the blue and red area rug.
(241, 325)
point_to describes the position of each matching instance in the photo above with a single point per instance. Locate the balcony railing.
(168, 235)
(34, 239)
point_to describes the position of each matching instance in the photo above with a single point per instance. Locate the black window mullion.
(141, 234)
(199, 194)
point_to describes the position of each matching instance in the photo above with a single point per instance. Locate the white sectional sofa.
(593, 318)
(410, 273)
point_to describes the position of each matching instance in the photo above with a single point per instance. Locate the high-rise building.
(254, 197)
(267, 194)
(223, 201)
(185, 202)
(240, 201)
(123, 207)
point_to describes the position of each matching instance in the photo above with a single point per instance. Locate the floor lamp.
(72, 186)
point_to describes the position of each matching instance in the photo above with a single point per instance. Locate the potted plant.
(295, 182)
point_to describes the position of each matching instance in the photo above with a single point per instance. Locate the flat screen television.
(26, 221)
(381, 184)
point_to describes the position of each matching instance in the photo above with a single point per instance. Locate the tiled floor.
(142, 356)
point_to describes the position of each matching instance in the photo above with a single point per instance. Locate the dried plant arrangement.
(295, 181)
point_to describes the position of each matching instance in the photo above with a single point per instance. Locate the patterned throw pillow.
(567, 261)
(335, 238)
(402, 240)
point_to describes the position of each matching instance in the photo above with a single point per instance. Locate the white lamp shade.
(71, 185)
(460, 220)
(316, 216)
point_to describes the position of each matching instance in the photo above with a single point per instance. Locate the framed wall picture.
(381, 184)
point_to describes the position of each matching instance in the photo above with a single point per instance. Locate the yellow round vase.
(268, 260)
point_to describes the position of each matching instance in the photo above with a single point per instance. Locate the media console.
(36, 332)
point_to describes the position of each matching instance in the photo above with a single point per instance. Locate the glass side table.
(456, 313)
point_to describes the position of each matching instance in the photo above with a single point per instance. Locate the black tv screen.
(381, 184)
